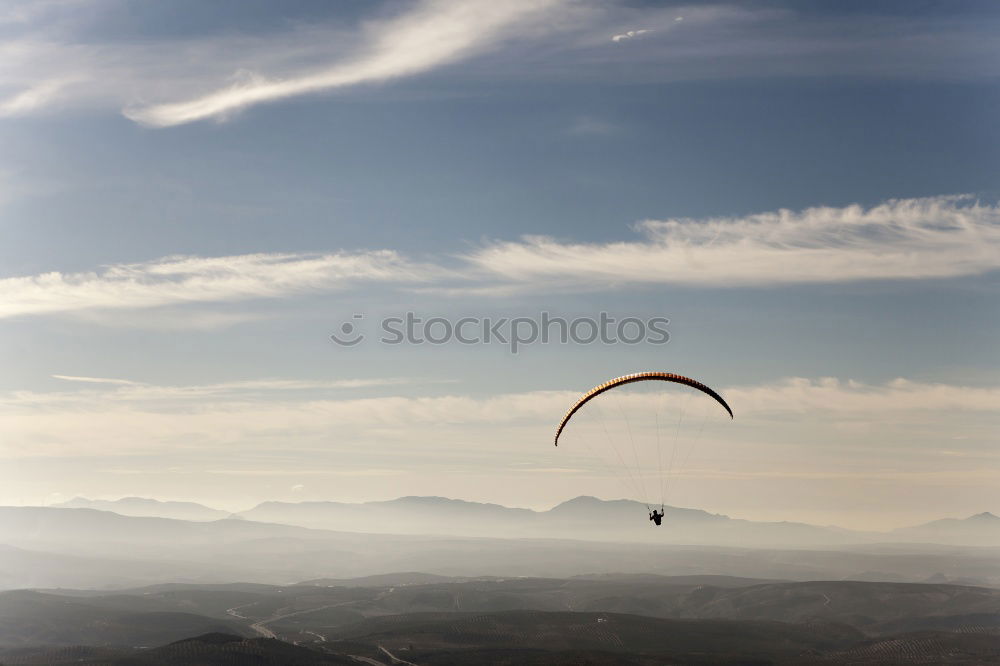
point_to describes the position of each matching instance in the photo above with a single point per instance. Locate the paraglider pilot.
(654, 515)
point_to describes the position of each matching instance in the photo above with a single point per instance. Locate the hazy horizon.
(234, 509)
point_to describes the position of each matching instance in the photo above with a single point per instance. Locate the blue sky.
(195, 195)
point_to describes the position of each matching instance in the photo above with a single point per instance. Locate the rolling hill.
(579, 638)
(33, 618)
(151, 508)
(608, 619)
(212, 649)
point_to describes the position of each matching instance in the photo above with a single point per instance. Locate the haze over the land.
(82, 547)
(581, 517)
(201, 590)
(587, 579)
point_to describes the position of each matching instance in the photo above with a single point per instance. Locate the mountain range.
(579, 518)
(141, 506)
(59, 547)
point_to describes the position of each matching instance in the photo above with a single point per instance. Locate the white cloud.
(935, 237)
(52, 61)
(48, 66)
(174, 280)
(630, 34)
(129, 391)
(32, 98)
(97, 380)
(180, 317)
(829, 395)
(436, 33)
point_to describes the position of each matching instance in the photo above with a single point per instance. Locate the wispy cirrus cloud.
(435, 33)
(67, 54)
(935, 237)
(127, 390)
(177, 280)
(628, 34)
(33, 97)
(98, 380)
(53, 62)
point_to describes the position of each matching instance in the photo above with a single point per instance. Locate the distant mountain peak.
(584, 500)
(985, 515)
(148, 501)
(430, 499)
(145, 506)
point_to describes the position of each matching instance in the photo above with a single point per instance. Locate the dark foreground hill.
(875, 608)
(214, 649)
(517, 637)
(309, 612)
(32, 618)
(612, 632)
(550, 639)
(607, 619)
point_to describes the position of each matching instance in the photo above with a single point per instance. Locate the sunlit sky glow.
(196, 195)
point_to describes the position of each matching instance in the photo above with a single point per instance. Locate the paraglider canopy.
(638, 377)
